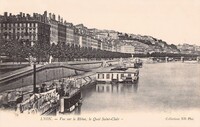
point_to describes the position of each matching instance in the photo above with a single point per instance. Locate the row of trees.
(19, 50)
(71, 52)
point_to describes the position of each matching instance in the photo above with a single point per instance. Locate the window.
(98, 76)
(107, 76)
(122, 75)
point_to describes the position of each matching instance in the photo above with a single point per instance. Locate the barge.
(134, 63)
(64, 98)
(42, 103)
(118, 74)
(70, 100)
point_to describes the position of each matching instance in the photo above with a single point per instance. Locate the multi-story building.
(83, 30)
(30, 29)
(83, 41)
(109, 46)
(113, 35)
(69, 33)
(127, 49)
(104, 45)
(101, 35)
(93, 31)
(139, 48)
(53, 29)
(99, 44)
(61, 31)
(94, 43)
(188, 49)
(88, 41)
(76, 38)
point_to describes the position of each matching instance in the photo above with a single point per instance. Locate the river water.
(161, 87)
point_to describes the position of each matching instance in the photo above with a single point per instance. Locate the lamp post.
(33, 60)
(34, 77)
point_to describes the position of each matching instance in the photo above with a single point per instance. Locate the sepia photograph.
(69, 63)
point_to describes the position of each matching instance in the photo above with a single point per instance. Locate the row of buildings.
(49, 29)
(45, 28)
(189, 49)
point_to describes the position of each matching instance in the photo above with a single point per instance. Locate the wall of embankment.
(48, 73)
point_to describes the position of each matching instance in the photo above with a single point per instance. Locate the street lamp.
(34, 77)
(33, 60)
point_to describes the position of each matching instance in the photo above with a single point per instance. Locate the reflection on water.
(77, 110)
(104, 89)
(116, 88)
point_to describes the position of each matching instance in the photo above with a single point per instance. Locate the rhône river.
(161, 87)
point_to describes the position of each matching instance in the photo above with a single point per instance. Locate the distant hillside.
(154, 44)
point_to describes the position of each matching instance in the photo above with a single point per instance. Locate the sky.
(174, 21)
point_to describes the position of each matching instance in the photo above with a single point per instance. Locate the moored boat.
(118, 75)
(134, 63)
(70, 98)
(43, 103)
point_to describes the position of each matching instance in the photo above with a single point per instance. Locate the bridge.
(167, 59)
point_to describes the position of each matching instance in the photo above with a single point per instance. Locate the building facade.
(54, 29)
(30, 29)
(69, 33)
(61, 32)
(47, 29)
(127, 49)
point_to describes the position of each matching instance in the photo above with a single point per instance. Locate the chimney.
(45, 13)
(20, 14)
(34, 16)
(5, 14)
(58, 18)
(50, 16)
(54, 17)
(61, 20)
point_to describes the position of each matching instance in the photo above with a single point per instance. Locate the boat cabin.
(118, 75)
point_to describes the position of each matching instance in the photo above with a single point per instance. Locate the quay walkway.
(24, 77)
(6, 78)
(79, 81)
